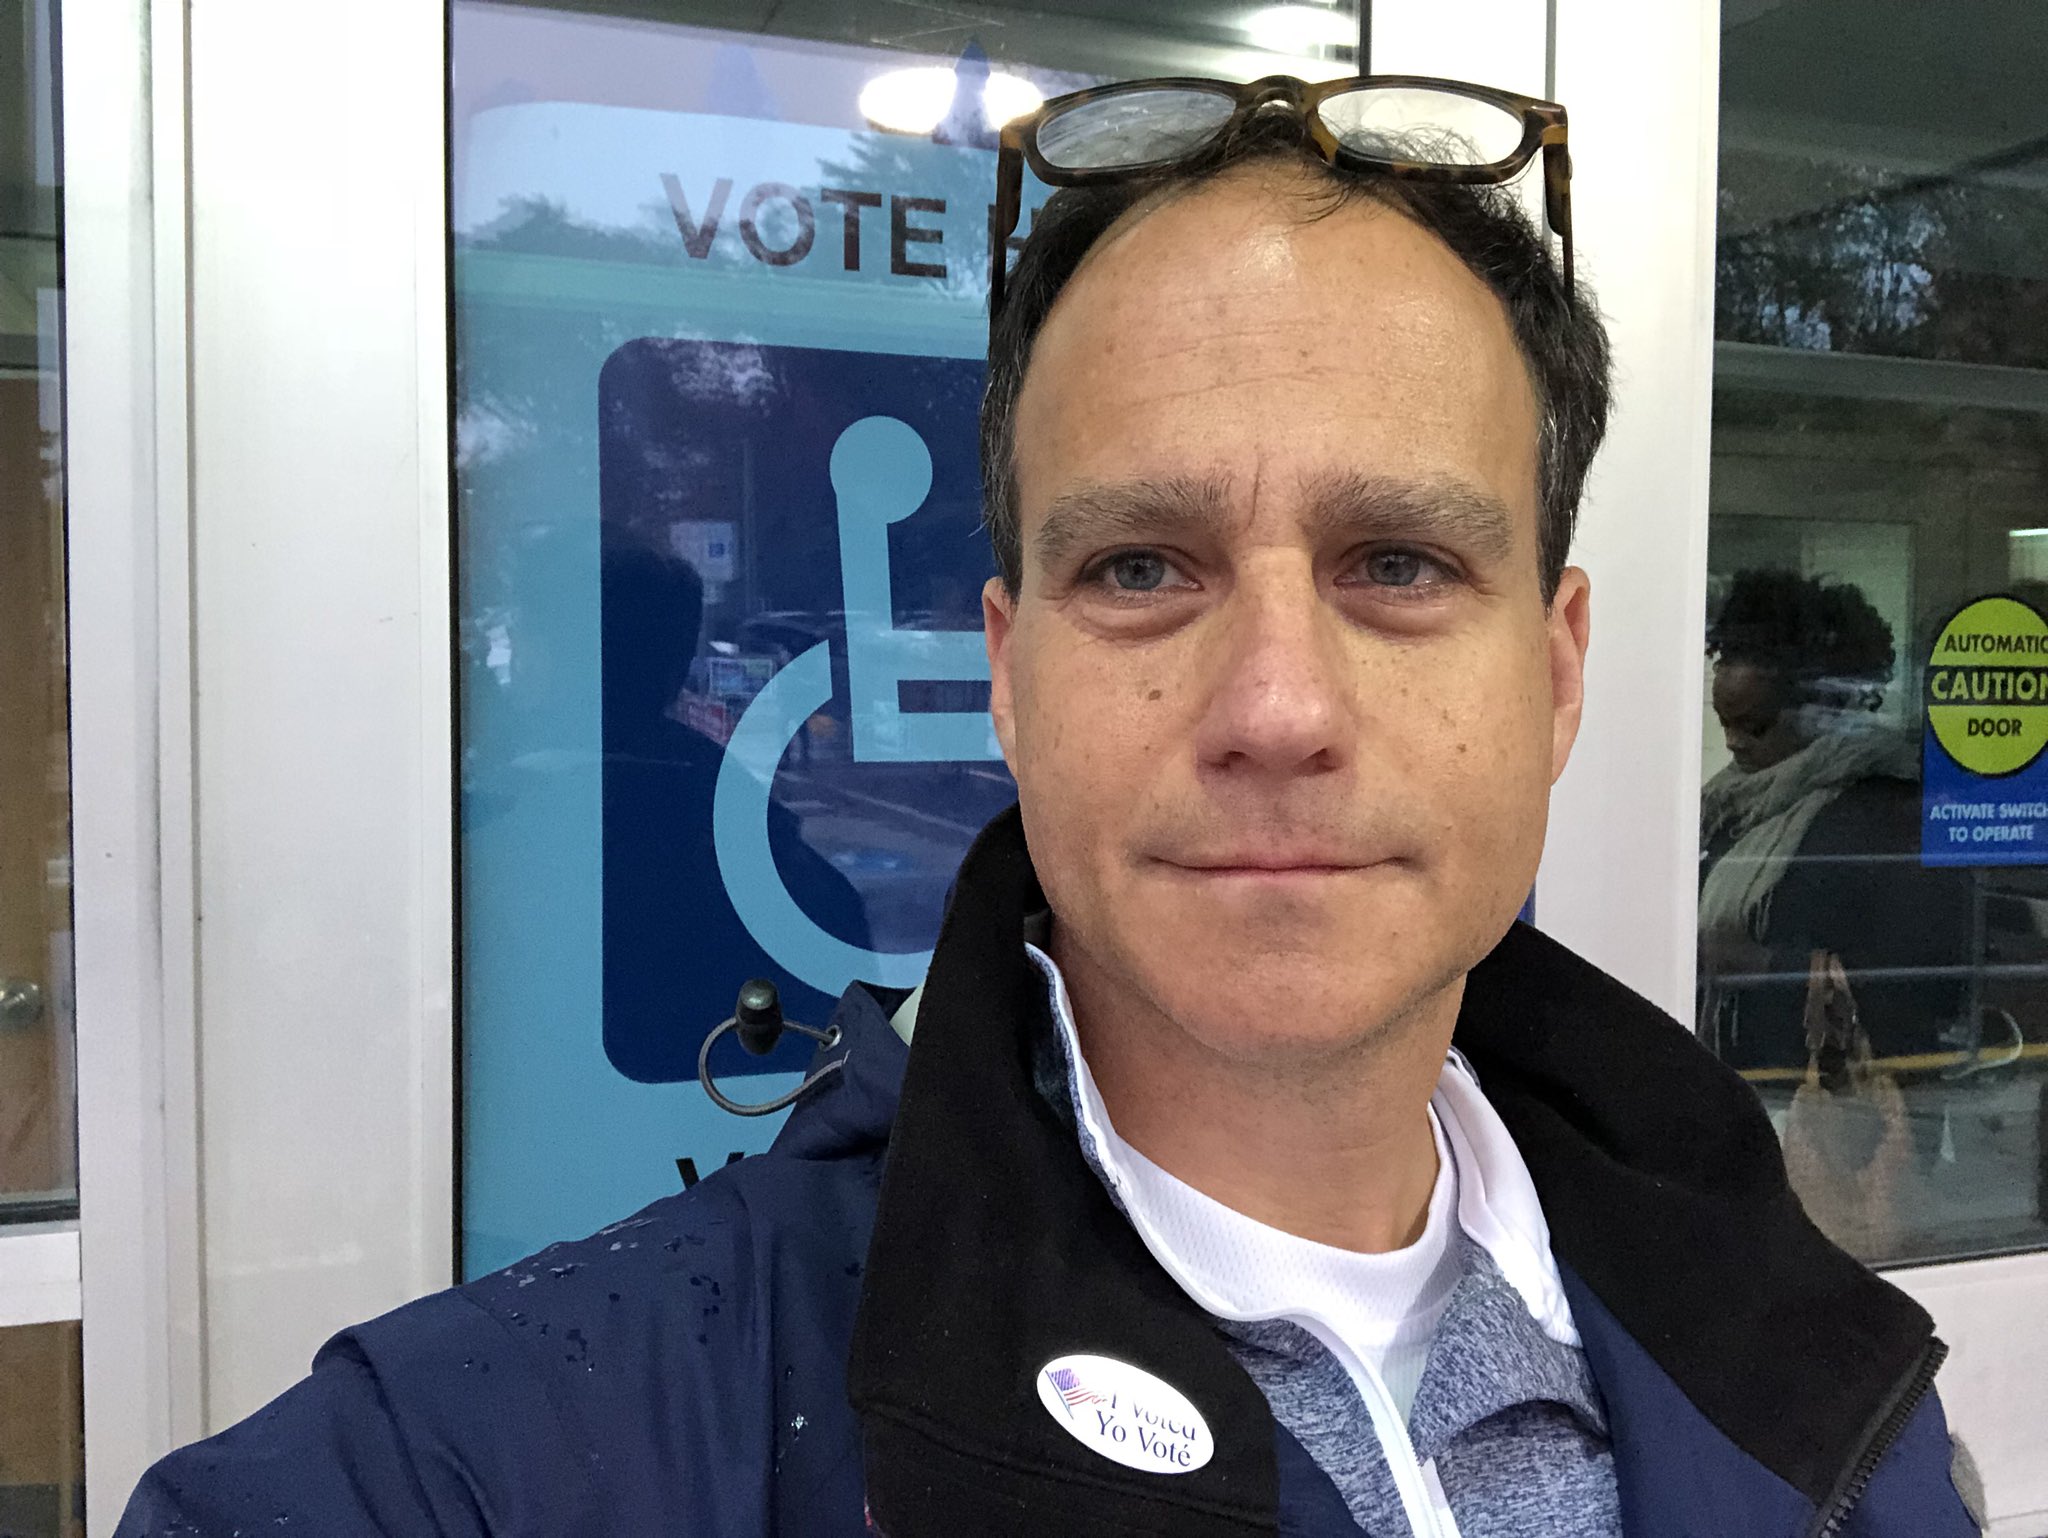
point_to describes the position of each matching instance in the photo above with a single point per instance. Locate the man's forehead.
(1267, 225)
(1369, 350)
(1251, 281)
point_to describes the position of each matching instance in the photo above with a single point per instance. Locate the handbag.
(1848, 1144)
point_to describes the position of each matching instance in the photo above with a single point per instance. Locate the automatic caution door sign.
(1984, 793)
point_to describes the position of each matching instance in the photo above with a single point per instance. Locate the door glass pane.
(1874, 827)
(42, 1433)
(718, 348)
(37, 1159)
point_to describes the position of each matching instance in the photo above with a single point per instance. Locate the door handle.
(21, 1003)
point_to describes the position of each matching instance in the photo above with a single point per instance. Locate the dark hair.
(1563, 343)
(1823, 639)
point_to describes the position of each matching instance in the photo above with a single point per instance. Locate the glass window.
(718, 350)
(42, 1433)
(38, 1179)
(1874, 824)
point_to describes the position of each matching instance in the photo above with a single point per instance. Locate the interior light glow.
(1009, 96)
(916, 100)
(909, 101)
(1301, 28)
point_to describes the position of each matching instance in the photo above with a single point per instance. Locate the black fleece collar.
(996, 1249)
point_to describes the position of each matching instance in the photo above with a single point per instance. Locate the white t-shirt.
(1385, 1307)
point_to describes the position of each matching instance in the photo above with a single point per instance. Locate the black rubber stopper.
(758, 1016)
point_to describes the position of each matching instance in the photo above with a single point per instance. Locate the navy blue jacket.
(841, 1336)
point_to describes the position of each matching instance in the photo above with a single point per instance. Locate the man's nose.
(1280, 676)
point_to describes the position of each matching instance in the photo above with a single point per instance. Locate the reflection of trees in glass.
(539, 226)
(1951, 266)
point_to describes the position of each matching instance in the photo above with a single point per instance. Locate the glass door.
(719, 285)
(1873, 898)
(41, 1400)
(1874, 823)
(38, 1179)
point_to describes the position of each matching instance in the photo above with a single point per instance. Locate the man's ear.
(998, 616)
(1569, 627)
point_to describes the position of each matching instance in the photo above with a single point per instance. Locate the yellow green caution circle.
(1987, 686)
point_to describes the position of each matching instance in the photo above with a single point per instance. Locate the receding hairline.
(1287, 178)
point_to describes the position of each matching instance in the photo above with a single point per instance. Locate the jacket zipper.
(1424, 1518)
(1832, 1518)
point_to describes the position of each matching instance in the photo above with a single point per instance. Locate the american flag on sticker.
(1068, 1382)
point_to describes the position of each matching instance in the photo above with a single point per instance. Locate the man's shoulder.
(657, 1341)
(647, 1294)
(620, 1383)
(712, 1269)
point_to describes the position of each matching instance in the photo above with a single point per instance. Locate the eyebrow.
(1109, 513)
(1437, 510)
(1346, 505)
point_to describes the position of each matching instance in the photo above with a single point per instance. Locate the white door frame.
(126, 464)
(261, 596)
(321, 674)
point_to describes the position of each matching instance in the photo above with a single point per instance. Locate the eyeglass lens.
(1415, 123)
(1133, 128)
(1428, 127)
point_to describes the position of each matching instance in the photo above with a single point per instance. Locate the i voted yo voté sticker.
(1126, 1414)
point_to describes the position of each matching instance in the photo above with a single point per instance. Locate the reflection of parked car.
(738, 677)
(789, 631)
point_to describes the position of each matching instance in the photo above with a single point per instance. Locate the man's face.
(1279, 688)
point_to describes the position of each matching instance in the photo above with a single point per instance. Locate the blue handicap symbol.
(881, 474)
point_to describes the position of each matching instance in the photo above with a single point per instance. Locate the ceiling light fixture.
(916, 100)
(1301, 28)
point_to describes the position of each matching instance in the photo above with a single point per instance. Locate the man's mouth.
(1269, 864)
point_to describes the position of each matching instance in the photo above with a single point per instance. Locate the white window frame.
(137, 1265)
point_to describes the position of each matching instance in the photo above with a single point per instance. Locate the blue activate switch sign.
(1984, 787)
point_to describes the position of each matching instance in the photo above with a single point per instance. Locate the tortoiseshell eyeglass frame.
(1543, 128)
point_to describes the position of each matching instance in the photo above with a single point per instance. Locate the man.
(1182, 1215)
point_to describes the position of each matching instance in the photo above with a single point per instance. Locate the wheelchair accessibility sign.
(797, 742)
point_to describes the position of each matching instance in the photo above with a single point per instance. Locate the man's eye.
(1401, 569)
(1136, 571)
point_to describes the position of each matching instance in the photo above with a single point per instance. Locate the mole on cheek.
(1153, 694)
